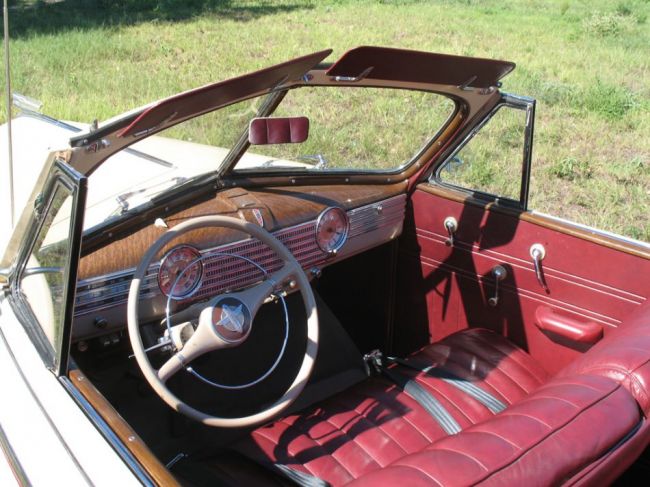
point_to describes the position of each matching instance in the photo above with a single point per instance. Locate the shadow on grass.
(30, 17)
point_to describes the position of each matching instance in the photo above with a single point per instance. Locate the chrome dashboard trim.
(222, 273)
(372, 217)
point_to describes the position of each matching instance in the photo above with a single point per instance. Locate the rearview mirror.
(277, 130)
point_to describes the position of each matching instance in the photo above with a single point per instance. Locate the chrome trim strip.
(108, 434)
(14, 464)
(38, 402)
(92, 293)
(125, 275)
(300, 239)
(597, 231)
(84, 311)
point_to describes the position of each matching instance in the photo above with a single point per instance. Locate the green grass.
(585, 61)
(394, 127)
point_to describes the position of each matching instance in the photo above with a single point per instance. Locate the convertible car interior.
(307, 303)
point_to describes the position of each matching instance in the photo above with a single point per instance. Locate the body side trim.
(47, 417)
(12, 460)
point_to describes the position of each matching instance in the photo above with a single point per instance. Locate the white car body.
(53, 439)
(45, 437)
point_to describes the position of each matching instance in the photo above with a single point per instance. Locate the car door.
(474, 255)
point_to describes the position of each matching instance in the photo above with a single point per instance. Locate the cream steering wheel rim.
(296, 272)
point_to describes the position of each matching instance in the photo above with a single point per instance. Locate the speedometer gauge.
(332, 229)
(181, 271)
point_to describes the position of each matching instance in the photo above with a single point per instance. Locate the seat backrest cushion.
(624, 356)
(544, 439)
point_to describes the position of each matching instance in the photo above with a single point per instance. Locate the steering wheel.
(211, 333)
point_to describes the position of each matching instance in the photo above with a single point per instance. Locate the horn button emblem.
(231, 320)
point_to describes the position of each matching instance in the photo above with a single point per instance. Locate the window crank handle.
(499, 273)
(538, 252)
(451, 225)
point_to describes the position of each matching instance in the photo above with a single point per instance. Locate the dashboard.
(338, 222)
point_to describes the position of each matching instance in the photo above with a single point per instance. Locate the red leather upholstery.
(487, 359)
(582, 427)
(371, 425)
(623, 356)
(543, 440)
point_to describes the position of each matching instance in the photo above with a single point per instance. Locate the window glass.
(491, 162)
(160, 162)
(221, 128)
(354, 128)
(44, 276)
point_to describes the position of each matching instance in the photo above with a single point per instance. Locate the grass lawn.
(586, 62)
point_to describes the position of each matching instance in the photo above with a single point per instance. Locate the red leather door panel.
(443, 289)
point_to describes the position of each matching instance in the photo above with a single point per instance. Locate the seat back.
(623, 356)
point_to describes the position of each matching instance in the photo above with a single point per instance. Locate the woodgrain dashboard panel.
(100, 303)
(280, 207)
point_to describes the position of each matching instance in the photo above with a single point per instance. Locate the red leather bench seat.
(584, 426)
(370, 425)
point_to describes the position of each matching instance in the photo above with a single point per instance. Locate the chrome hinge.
(4, 290)
(4, 282)
(374, 362)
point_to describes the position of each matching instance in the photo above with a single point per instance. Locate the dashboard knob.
(100, 322)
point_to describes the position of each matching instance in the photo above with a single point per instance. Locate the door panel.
(444, 288)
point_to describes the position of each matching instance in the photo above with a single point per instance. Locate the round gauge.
(181, 270)
(332, 229)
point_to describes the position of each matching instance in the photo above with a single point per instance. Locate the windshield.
(364, 129)
(161, 162)
(350, 129)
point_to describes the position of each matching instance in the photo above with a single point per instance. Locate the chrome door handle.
(538, 252)
(499, 273)
(451, 225)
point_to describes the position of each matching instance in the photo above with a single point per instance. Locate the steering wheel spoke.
(204, 339)
(255, 296)
(171, 366)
